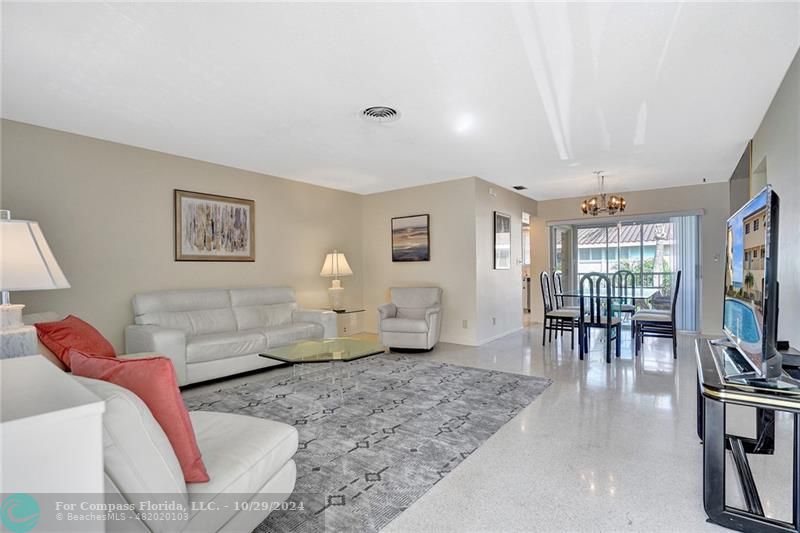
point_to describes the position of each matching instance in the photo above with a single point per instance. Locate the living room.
(445, 161)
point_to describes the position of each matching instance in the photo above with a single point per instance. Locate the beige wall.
(776, 151)
(462, 242)
(452, 265)
(713, 198)
(107, 212)
(499, 292)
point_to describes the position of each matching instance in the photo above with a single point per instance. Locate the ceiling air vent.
(380, 114)
(519, 187)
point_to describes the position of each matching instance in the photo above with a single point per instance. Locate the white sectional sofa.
(213, 333)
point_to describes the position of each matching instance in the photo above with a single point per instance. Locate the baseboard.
(498, 336)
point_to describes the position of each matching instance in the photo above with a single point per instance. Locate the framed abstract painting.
(209, 227)
(502, 241)
(411, 238)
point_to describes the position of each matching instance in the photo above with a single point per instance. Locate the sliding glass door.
(649, 248)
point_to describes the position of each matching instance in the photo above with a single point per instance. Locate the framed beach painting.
(502, 241)
(411, 238)
(209, 227)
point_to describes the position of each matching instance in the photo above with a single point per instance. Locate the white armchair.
(413, 319)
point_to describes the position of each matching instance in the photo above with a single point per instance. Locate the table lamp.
(336, 265)
(26, 264)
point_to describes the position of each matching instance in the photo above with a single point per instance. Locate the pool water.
(741, 320)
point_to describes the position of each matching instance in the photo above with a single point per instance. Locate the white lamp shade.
(335, 266)
(26, 262)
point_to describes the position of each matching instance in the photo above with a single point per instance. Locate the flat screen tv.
(750, 313)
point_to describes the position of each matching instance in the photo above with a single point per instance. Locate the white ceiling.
(539, 95)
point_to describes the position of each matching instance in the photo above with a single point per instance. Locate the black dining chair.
(624, 283)
(596, 312)
(648, 323)
(558, 287)
(558, 320)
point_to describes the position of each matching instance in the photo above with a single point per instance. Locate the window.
(747, 228)
(755, 225)
(763, 253)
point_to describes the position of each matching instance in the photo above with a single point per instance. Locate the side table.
(349, 322)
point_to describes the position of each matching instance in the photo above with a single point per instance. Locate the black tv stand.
(714, 393)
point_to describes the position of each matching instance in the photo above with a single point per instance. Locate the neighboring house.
(754, 253)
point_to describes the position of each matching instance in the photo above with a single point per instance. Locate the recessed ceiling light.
(381, 114)
(464, 123)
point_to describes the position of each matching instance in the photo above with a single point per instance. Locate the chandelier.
(603, 203)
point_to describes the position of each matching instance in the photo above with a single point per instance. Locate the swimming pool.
(741, 320)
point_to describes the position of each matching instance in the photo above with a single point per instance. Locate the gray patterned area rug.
(376, 433)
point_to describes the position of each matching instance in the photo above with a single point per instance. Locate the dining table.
(644, 293)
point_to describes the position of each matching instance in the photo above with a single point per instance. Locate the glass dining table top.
(630, 294)
(323, 351)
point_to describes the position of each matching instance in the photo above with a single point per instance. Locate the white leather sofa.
(212, 333)
(248, 459)
(413, 319)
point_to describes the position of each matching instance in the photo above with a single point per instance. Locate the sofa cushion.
(261, 316)
(153, 380)
(202, 348)
(180, 300)
(412, 302)
(241, 453)
(404, 325)
(72, 332)
(297, 331)
(196, 322)
(416, 296)
(137, 456)
(261, 296)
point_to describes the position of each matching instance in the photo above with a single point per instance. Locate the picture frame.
(211, 227)
(411, 238)
(502, 241)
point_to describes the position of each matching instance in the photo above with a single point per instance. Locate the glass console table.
(713, 394)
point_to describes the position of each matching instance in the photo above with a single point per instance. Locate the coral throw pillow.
(153, 380)
(72, 332)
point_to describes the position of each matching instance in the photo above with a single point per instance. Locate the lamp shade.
(26, 262)
(335, 266)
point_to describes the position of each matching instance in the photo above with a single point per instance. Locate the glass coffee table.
(324, 351)
(337, 353)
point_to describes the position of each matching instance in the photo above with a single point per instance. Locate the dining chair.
(596, 311)
(558, 320)
(647, 323)
(624, 284)
(558, 288)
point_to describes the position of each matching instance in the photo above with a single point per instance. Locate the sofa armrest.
(386, 311)
(162, 341)
(433, 316)
(325, 318)
(430, 312)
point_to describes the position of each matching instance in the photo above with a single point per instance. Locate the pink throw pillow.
(72, 332)
(153, 380)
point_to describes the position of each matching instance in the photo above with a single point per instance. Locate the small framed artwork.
(502, 241)
(411, 238)
(209, 227)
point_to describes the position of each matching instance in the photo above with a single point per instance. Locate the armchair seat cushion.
(241, 454)
(294, 332)
(404, 325)
(213, 346)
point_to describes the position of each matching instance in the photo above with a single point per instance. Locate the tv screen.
(750, 309)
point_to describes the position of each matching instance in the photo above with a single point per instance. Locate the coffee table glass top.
(322, 351)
